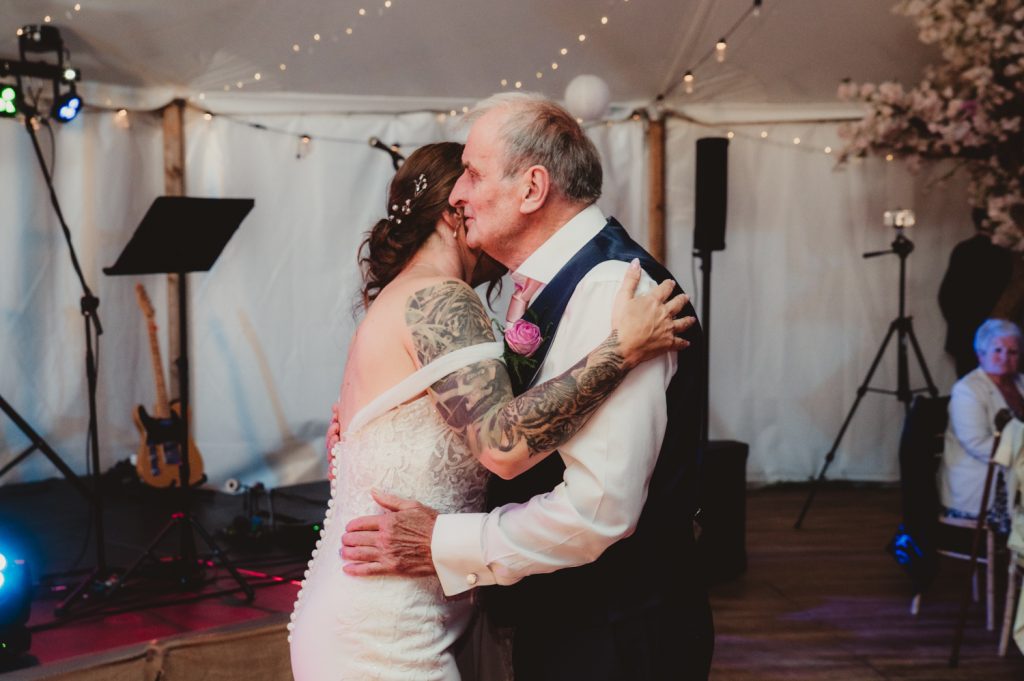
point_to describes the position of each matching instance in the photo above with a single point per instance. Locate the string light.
(305, 142)
(295, 47)
(889, 157)
(78, 7)
(316, 37)
(554, 66)
(564, 51)
(362, 12)
(540, 75)
(730, 134)
(387, 3)
(348, 31)
(283, 67)
(604, 20)
(47, 19)
(688, 82)
(583, 37)
(256, 76)
(719, 49)
(764, 134)
(519, 84)
(796, 140)
(208, 116)
(504, 82)
(828, 150)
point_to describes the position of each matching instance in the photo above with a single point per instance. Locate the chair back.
(921, 444)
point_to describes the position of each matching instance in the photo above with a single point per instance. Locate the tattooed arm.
(510, 434)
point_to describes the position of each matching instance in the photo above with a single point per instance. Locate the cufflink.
(472, 579)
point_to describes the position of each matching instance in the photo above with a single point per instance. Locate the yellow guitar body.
(159, 462)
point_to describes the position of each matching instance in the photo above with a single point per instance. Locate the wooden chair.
(921, 445)
(1015, 572)
(988, 560)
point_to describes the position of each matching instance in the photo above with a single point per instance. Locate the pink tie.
(525, 288)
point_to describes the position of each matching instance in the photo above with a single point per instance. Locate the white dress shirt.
(608, 463)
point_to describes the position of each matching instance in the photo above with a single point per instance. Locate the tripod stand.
(903, 328)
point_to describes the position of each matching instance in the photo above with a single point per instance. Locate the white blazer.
(973, 405)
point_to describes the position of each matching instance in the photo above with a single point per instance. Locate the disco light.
(10, 101)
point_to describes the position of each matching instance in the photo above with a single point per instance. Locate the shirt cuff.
(457, 552)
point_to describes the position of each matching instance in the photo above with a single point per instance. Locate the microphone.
(1003, 416)
(396, 158)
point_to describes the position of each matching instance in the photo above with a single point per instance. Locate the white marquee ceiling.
(795, 52)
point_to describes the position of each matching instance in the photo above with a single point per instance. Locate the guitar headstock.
(143, 297)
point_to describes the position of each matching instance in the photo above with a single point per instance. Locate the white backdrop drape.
(797, 314)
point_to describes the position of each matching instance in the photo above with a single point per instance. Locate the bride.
(426, 409)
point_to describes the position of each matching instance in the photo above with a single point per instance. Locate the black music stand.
(179, 235)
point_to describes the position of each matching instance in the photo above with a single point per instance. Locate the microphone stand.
(90, 313)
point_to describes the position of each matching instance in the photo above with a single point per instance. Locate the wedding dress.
(389, 628)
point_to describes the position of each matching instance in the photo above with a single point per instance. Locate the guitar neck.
(163, 407)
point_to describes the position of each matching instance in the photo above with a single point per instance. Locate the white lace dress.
(388, 628)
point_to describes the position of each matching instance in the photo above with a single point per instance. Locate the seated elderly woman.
(975, 400)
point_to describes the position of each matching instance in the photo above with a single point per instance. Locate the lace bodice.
(389, 628)
(408, 451)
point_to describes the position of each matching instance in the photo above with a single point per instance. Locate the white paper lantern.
(587, 97)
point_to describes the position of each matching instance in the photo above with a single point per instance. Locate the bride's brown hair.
(417, 198)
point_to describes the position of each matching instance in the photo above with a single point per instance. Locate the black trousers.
(668, 642)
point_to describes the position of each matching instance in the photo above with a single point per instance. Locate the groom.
(593, 548)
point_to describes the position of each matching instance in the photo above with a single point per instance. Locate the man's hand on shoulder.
(394, 543)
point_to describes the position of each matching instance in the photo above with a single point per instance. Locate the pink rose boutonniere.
(523, 337)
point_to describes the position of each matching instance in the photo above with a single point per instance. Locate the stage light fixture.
(15, 599)
(10, 101)
(66, 106)
(40, 38)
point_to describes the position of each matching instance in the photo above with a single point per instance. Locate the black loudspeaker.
(722, 546)
(710, 194)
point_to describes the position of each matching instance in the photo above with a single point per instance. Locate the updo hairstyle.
(413, 212)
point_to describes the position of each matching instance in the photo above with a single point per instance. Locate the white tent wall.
(105, 177)
(796, 313)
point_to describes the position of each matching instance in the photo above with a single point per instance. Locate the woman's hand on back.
(646, 325)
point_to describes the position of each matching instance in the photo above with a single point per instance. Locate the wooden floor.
(828, 603)
(823, 603)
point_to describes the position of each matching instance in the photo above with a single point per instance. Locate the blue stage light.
(67, 106)
(15, 606)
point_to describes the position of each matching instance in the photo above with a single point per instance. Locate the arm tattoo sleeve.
(477, 401)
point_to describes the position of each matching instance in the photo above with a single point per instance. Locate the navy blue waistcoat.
(657, 563)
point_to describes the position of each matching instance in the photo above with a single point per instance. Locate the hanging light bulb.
(688, 82)
(305, 142)
(720, 50)
(757, 8)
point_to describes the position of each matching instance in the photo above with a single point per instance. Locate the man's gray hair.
(540, 132)
(992, 329)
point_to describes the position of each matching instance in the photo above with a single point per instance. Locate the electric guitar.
(159, 457)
